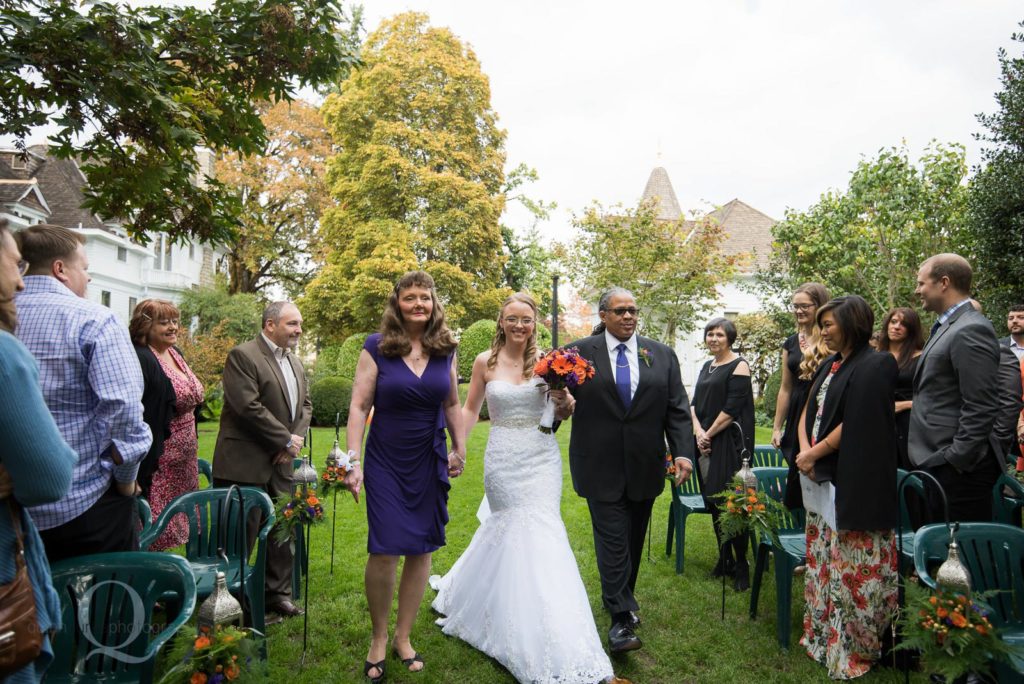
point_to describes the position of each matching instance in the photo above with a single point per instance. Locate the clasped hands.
(564, 402)
(805, 463)
(456, 462)
(290, 452)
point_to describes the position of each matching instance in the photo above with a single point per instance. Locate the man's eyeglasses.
(801, 307)
(22, 267)
(512, 320)
(623, 310)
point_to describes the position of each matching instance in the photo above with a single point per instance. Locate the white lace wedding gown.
(516, 592)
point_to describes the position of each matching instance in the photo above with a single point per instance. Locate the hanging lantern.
(952, 574)
(335, 455)
(746, 474)
(305, 475)
(220, 607)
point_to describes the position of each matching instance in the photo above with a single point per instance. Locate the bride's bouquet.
(560, 369)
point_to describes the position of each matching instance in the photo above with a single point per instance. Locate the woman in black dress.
(723, 395)
(802, 352)
(902, 336)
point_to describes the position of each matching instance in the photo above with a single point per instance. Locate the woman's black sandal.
(367, 666)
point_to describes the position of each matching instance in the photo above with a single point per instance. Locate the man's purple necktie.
(622, 376)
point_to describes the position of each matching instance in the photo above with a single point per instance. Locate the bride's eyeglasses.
(512, 320)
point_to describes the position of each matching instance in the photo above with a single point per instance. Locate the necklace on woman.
(713, 367)
(802, 340)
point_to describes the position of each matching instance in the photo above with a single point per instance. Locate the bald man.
(956, 393)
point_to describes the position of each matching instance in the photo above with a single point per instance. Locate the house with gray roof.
(37, 187)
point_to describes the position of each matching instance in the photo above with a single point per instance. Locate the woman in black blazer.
(847, 462)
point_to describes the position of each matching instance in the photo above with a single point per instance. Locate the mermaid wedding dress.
(516, 592)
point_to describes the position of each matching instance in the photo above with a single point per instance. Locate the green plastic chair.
(206, 470)
(145, 515)
(916, 484)
(994, 556)
(206, 517)
(1006, 505)
(104, 637)
(686, 499)
(767, 456)
(790, 552)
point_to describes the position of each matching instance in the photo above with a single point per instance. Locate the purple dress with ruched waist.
(406, 464)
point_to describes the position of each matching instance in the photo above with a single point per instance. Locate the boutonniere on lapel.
(646, 356)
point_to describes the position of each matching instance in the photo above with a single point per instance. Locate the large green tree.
(996, 226)
(673, 268)
(529, 261)
(418, 180)
(282, 194)
(871, 238)
(134, 91)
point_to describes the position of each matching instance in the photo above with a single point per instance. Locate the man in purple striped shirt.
(92, 384)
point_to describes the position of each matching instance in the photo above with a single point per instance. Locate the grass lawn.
(684, 638)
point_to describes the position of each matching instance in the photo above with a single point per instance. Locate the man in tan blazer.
(266, 412)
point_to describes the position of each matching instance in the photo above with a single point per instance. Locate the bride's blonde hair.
(530, 352)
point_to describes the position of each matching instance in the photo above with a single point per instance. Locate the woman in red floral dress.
(154, 328)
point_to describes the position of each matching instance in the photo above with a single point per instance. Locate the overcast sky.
(772, 102)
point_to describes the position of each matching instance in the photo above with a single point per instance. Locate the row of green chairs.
(687, 499)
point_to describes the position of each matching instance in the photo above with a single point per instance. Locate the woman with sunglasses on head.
(171, 393)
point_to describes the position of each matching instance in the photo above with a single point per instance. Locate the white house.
(748, 233)
(40, 188)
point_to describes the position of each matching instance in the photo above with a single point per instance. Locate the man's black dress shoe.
(621, 638)
(634, 619)
(285, 608)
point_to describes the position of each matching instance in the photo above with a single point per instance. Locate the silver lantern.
(746, 474)
(952, 574)
(305, 475)
(220, 607)
(335, 456)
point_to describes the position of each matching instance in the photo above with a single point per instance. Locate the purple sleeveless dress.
(405, 467)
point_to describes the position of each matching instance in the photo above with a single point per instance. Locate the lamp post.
(554, 311)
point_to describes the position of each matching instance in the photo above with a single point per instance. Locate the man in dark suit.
(624, 415)
(1015, 326)
(266, 410)
(956, 393)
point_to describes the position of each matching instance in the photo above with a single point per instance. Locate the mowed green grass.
(685, 638)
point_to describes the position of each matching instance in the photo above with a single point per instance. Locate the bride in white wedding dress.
(516, 592)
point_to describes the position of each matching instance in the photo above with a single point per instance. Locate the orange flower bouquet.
(747, 509)
(218, 656)
(300, 508)
(952, 631)
(560, 369)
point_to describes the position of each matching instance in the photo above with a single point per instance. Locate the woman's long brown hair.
(437, 339)
(530, 352)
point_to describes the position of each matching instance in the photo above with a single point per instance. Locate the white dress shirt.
(1017, 349)
(631, 356)
(290, 381)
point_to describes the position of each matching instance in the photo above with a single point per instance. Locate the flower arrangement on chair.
(748, 509)
(223, 653)
(300, 508)
(952, 632)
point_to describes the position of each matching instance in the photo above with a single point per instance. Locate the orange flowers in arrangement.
(563, 368)
(223, 654)
(301, 508)
(952, 631)
(746, 509)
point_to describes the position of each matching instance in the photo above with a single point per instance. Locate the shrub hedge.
(330, 396)
(477, 338)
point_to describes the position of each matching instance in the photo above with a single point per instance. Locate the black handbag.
(20, 637)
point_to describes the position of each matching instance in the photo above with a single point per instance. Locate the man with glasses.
(92, 384)
(624, 416)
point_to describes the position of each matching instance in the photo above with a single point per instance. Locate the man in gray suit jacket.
(266, 410)
(956, 392)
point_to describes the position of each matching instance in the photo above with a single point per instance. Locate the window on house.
(122, 254)
(132, 303)
(17, 161)
(167, 254)
(105, 298)
(158, 246)
(191, 250)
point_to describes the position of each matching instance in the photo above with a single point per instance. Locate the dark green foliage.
(463, 391)
(212, 304)
(330, 396)
(770, 393)
(327, 363)
(996, 201)
(166, 79)
(475, 339)
(349, 356)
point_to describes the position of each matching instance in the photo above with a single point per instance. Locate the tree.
(673, 268)
(996, 199)
(134, 91)
(282, 193)
(870, 239)
(759, 339)
(238, 316)
(529, 263)
(418, 180)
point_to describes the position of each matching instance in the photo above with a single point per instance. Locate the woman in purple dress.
(407, 375)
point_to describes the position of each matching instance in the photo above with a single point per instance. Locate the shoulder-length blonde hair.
(530, 352)
(816, 350)
(437, 339)
(146, 313)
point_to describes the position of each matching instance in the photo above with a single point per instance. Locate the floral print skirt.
(851, 594)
